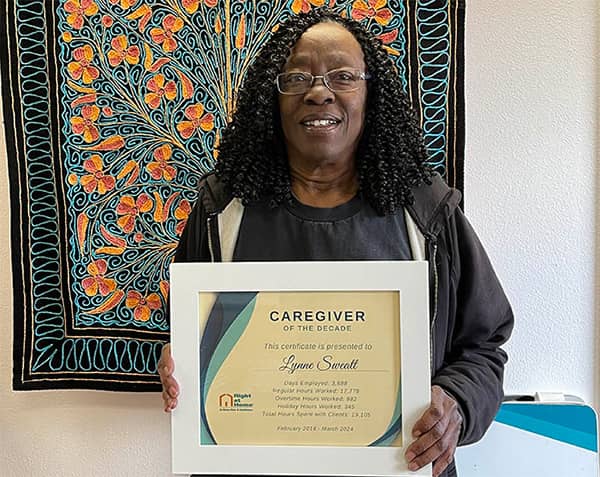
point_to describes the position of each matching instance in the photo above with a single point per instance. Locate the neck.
(324, 186)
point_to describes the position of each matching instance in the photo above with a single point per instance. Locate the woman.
(324, 160)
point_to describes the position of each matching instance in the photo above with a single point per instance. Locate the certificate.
(300, 368)
(313, 368)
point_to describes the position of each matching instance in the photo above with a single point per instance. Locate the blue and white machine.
(546, 435)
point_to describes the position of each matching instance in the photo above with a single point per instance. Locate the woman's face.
(322, 48)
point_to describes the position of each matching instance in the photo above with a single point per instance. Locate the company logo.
(226, 400)
(235, 402)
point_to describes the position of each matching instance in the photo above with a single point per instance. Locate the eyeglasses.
(341, 80)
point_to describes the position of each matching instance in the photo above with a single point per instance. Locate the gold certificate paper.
(318, 368)
(305, 368)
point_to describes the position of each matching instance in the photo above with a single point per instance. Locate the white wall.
(532, 104)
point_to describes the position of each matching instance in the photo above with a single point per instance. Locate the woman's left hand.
(436, 433)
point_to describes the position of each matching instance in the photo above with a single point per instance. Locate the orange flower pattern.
(82, 68)
(165, 36)
(97, 282)
(122, 52)
(158, 88)
(142, 306)
(376, 9)
(129, 209)
(78, 10)
(159, 168)
(197, 120)
(85, 124)
(96, 179)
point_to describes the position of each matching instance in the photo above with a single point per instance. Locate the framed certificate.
(304, 368)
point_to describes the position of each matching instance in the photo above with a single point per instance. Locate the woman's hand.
(436, 433)
(166, 366)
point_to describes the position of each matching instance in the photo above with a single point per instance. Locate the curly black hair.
(391, 156)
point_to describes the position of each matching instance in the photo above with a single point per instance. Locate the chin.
(323, 155)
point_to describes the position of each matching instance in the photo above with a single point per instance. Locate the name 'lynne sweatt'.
(326, 363)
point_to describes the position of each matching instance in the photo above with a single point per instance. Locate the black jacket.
(470, 314)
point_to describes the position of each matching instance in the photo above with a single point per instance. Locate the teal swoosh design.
(228, 342)
(572, 424)
(395, 425)
(222, 350)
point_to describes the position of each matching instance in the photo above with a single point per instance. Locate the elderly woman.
(324, 160)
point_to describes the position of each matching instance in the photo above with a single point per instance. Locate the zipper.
(210, 233)
(435, 307)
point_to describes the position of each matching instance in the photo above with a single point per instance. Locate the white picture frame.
(188, 280)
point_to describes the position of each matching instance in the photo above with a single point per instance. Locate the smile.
(320, 123)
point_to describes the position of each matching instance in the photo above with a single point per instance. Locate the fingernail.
(173, 391)
(413, 467)
(166, 369)
(410, 456)
(417, 433)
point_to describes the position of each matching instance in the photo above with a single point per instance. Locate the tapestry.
(113, 109)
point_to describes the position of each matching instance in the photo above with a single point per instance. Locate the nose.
(319, 93)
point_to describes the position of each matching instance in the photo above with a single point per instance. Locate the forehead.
(329, 43)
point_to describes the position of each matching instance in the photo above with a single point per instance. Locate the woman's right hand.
(170, 388)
